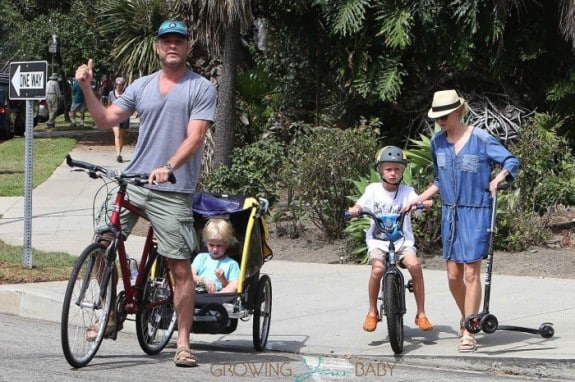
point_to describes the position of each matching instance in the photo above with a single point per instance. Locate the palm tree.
(567, 20)
(131, 25)
(217, 22)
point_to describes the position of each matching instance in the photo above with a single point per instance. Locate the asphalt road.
(30, 351)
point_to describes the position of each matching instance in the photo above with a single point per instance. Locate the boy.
(390, 196)
(214, 269)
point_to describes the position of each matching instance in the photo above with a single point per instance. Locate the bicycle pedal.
(409, 286)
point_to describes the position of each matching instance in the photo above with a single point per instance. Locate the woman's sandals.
(467, 344)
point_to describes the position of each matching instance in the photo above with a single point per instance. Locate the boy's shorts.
(378, 253)
(170, 214)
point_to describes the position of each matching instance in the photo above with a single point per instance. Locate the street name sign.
(28, 80)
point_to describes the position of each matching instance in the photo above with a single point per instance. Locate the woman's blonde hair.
(464, 110)
(219, 229)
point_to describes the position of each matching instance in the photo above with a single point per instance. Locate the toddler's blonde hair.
(219, 229)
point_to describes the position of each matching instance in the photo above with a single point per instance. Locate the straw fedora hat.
(444, 102)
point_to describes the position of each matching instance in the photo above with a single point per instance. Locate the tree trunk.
(226, 110)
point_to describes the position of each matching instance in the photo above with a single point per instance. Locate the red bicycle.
(90, 295)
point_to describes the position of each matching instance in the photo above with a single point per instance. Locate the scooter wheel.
(489, 323)
(546, 330)
(473, 323)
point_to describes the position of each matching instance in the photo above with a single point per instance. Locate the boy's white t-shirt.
(378, 200)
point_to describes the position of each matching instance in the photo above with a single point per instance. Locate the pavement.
(318, 309)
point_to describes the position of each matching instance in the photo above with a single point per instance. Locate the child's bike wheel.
(392, 304)
(86, 309)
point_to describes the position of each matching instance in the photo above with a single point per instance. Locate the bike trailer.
(219, 312)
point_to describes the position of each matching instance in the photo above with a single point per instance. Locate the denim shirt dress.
(463, 182)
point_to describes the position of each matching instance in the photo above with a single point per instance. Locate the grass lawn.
(55, 266)
(48, 155)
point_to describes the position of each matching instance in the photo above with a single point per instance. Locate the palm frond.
(396, 27)
(350, 17)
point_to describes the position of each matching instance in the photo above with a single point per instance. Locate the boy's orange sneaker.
(370, 323)
(423, 323)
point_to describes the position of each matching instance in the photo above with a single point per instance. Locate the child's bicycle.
(90, 294)
(393, 284)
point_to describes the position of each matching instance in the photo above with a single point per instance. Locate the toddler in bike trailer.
(214, 271)
(390, 196)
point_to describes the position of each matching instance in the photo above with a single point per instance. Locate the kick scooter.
(486, 321)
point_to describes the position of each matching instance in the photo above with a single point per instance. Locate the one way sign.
(28, 80)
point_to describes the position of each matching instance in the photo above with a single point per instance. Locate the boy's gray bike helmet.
(390, 154)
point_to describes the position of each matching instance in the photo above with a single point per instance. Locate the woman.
(120, 130)
(462, 157)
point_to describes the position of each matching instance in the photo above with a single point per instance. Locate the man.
(78, 102)
(176, 107)
(52, 99)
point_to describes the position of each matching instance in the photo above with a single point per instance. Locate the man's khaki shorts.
(170, 214)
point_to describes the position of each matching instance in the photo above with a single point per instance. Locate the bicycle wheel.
(87, 305)
(392, 306)
(156, 316)
(262, 313)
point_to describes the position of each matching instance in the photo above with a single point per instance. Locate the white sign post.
(28, 82)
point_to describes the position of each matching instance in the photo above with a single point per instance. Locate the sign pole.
(28, 82)
(28, 186)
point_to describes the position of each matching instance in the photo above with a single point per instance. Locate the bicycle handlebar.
(95, 171)
(380, 223)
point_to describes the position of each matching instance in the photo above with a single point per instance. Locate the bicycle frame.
(149, 297)
(132, 293)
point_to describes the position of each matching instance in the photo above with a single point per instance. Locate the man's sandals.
(185, 358)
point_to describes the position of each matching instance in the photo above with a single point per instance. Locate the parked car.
(6, 125)
(42, 111)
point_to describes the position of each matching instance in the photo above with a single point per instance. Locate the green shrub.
(321, 167)
(547, 175)
(254, 171)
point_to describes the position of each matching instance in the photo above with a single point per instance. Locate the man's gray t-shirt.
(164, 123)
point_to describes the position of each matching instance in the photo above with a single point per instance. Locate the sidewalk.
(317, 309)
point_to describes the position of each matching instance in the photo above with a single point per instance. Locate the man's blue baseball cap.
(172, 26)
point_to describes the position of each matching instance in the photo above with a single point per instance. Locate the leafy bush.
(547, 175)
(322, 165)
(254, 171)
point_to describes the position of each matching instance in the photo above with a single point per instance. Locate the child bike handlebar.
(389, 224)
